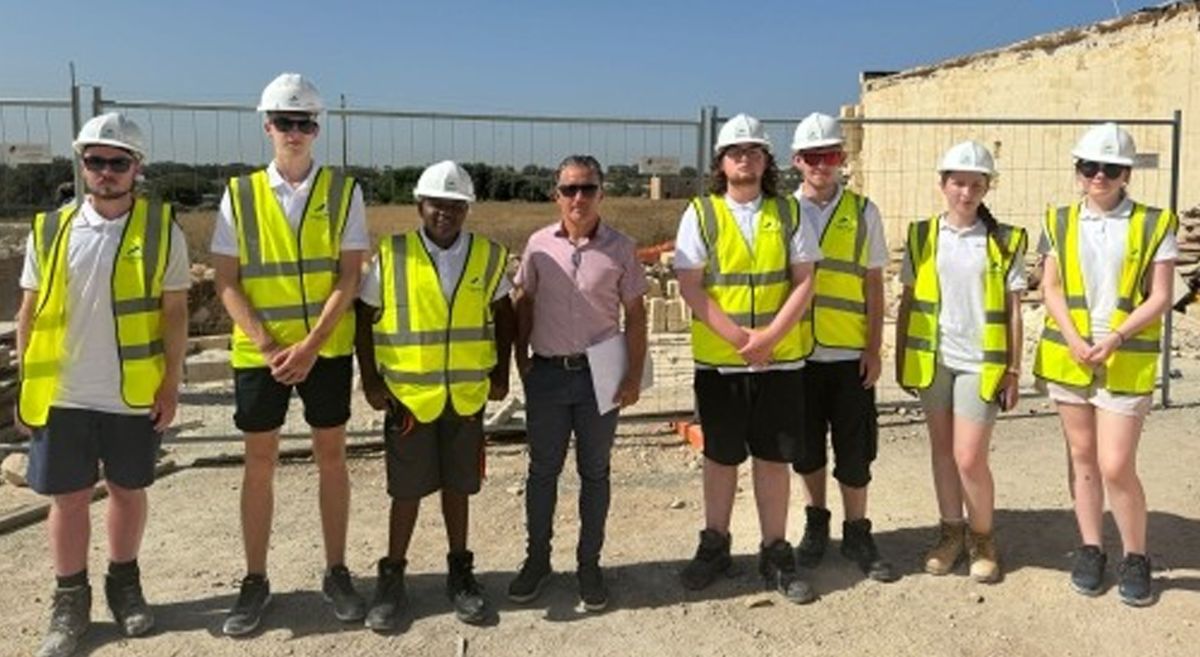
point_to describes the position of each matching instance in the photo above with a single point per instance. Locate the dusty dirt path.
(192, 559)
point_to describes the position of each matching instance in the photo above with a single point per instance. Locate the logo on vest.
(134, 252)
(475, 283)
(770, 225)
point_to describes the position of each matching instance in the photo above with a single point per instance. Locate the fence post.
(345, 135)
(76, 124)
(1168, 325)
(97, 101)
(708, 128)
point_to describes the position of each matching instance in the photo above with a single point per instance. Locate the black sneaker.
(593, 593)
(1087, 575)
(463, 589)
(816, 537)
(777, 565)
(247, 612)
(338, 589)
(1133, 580)
(70, 616)
(712, 558)
(859, 546)
(390, 597)
(528, 583)
(128, 605)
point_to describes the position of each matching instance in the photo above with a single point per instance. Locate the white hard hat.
(112, 129)
(446, 179)
(968, 156)
(291, 92)
(742, 129)
(817, 131)
(1107, 142)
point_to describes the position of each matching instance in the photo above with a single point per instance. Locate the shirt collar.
(94, 220)
(1123, 210)
(277, 180)
(752, 206)
(432, 247)
(975, 228)
(833, 200)
(599, 230)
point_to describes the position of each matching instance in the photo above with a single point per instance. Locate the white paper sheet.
(607, 361)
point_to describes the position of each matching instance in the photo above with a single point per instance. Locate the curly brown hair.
(718, 183)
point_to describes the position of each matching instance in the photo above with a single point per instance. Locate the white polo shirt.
(1102, 242)
(91, 371)
(877, 253)
(293, 200)
(692, 253)
(961, 264)
(448, 262)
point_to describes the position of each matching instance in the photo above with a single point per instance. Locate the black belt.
(569, 362)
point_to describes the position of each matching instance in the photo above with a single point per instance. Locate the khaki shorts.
(958, 391)
(1099, 396)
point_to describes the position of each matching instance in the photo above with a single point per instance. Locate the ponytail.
(993, 228)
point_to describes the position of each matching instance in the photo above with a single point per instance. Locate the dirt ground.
(192, 560)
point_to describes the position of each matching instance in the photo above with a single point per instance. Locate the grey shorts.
(958, 391)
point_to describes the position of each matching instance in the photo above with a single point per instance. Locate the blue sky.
(651, 59)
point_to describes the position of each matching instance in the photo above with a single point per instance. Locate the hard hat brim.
(798, 147)
(452, 196)
(991, 173)
(80, 144)
(748, 140)
(1103, 159)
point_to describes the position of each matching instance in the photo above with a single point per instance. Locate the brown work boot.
(985, 566)
(942, 558)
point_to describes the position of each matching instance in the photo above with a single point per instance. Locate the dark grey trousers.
(558, 403)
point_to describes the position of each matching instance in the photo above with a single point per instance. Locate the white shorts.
(1099, 396)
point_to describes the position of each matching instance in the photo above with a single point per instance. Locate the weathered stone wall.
(1142, 66)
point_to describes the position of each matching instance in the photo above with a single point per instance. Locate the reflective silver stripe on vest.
(842, 266)
(154, 235)
(489, 270)
(282, 313)
(1125, 304)
(1077, 302)
(249, 216)
(140, 351)
(50, 231)
(928, 307)
(835, 303)
(995, 317)
(708, 221)
(434, 378)
(752, 319)
(918, 344)
(432, 337)
(138, 305)
(860, 232)
(1053, 335)
(1139, 346)
(273, 269)
(746, 279)
(995, 357)
(334, 204)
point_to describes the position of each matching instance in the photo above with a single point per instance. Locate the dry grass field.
(510, 223)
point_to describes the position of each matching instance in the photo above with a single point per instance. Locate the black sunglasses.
(1089, 169)
(569, 191)
(287, 124)
(95, 163)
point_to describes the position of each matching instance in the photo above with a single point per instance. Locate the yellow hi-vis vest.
(137, 277)
(430, 350)
(749, 287)
(288, 275)
(838, 317)
(921, 343)
(1133, 367)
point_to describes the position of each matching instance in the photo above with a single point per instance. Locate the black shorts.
(837, 404)
(757, 414)
(262, 402)
(65, 454)
(423, 458)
